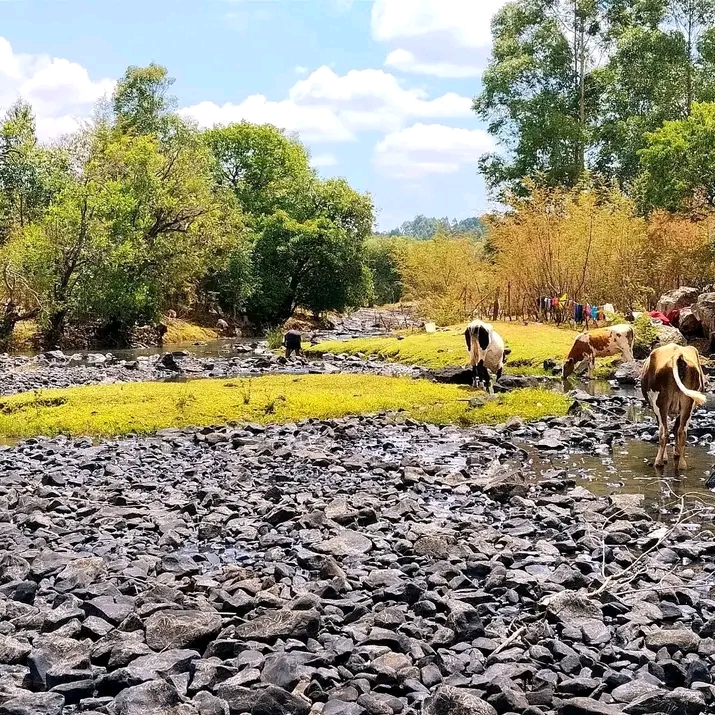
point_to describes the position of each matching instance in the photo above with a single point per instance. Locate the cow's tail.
(697, 397)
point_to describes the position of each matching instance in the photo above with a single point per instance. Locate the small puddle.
(628, 469)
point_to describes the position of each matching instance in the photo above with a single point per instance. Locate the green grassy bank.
(111, 410)
(530, 345)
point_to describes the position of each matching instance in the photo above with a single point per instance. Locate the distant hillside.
(425, 227)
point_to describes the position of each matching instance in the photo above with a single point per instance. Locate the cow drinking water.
(602, 342)
(672, 382)
(486, 352)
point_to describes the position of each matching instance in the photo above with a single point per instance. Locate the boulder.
(55, 653)
(628, 373)
(181, 629)
(24, 702)
(681, 701)
(158, 697)
(673, 639)
(689, 323)
(679, 298)
(587, 706)
(668, 335)
(280, 624)
(449, 700)
(704, 311)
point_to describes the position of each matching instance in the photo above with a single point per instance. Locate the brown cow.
(602, 342)
(672, 382)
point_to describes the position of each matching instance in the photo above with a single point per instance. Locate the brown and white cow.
(602, 342)
(672, 382)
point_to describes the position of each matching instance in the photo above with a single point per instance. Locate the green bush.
(645, 336)
(274, 337)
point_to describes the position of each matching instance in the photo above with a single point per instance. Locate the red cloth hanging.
(659, 316)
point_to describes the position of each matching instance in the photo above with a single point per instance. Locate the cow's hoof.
(680, 464)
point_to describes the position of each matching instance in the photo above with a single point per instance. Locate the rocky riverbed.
(57, 370)
(369, 565)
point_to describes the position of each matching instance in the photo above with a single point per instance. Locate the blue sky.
(379, 90)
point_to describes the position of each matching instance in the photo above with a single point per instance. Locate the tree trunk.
(55, 328)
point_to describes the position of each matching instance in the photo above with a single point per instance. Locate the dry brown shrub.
(447, 276)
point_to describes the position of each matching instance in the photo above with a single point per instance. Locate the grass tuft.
(112, 410)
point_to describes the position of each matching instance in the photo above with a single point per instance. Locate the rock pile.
(364, 566)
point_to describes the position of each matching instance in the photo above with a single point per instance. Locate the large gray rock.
(280, 624)
(628, 692)
(449, 700)
(587, 706)
(704, 311)
(161, 665)
(673, 639)
(679, 298)
(629, 373)
(181, 629)
(572, 608)
(681, 701)
(667, 335)
(13, 651)
(346, 543)
(689, 323)
(274, 700)
(157, 697)
(24, 702)
(56, 654)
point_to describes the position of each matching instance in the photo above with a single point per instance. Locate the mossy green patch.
(110, 410)
(530, 345)
(181, 331)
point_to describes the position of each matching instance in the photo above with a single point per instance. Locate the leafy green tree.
(141, 101)
(312, 263)
(679, 163)
(575, 85)
(382, 258)
(29, 174)
(309, 233)
(265, 169)
(641, 88)
(424, 227)
(538, 91)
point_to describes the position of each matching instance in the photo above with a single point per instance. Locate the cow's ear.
(468, 338)
(483, 337)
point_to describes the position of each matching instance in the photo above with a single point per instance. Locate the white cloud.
(331, 108)
(440, 38)
(373, 99)
(466, 22)
(314, 124)
(300, 70)
(322, 160)
(405, 61)
(424, 149)
(60, 91)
